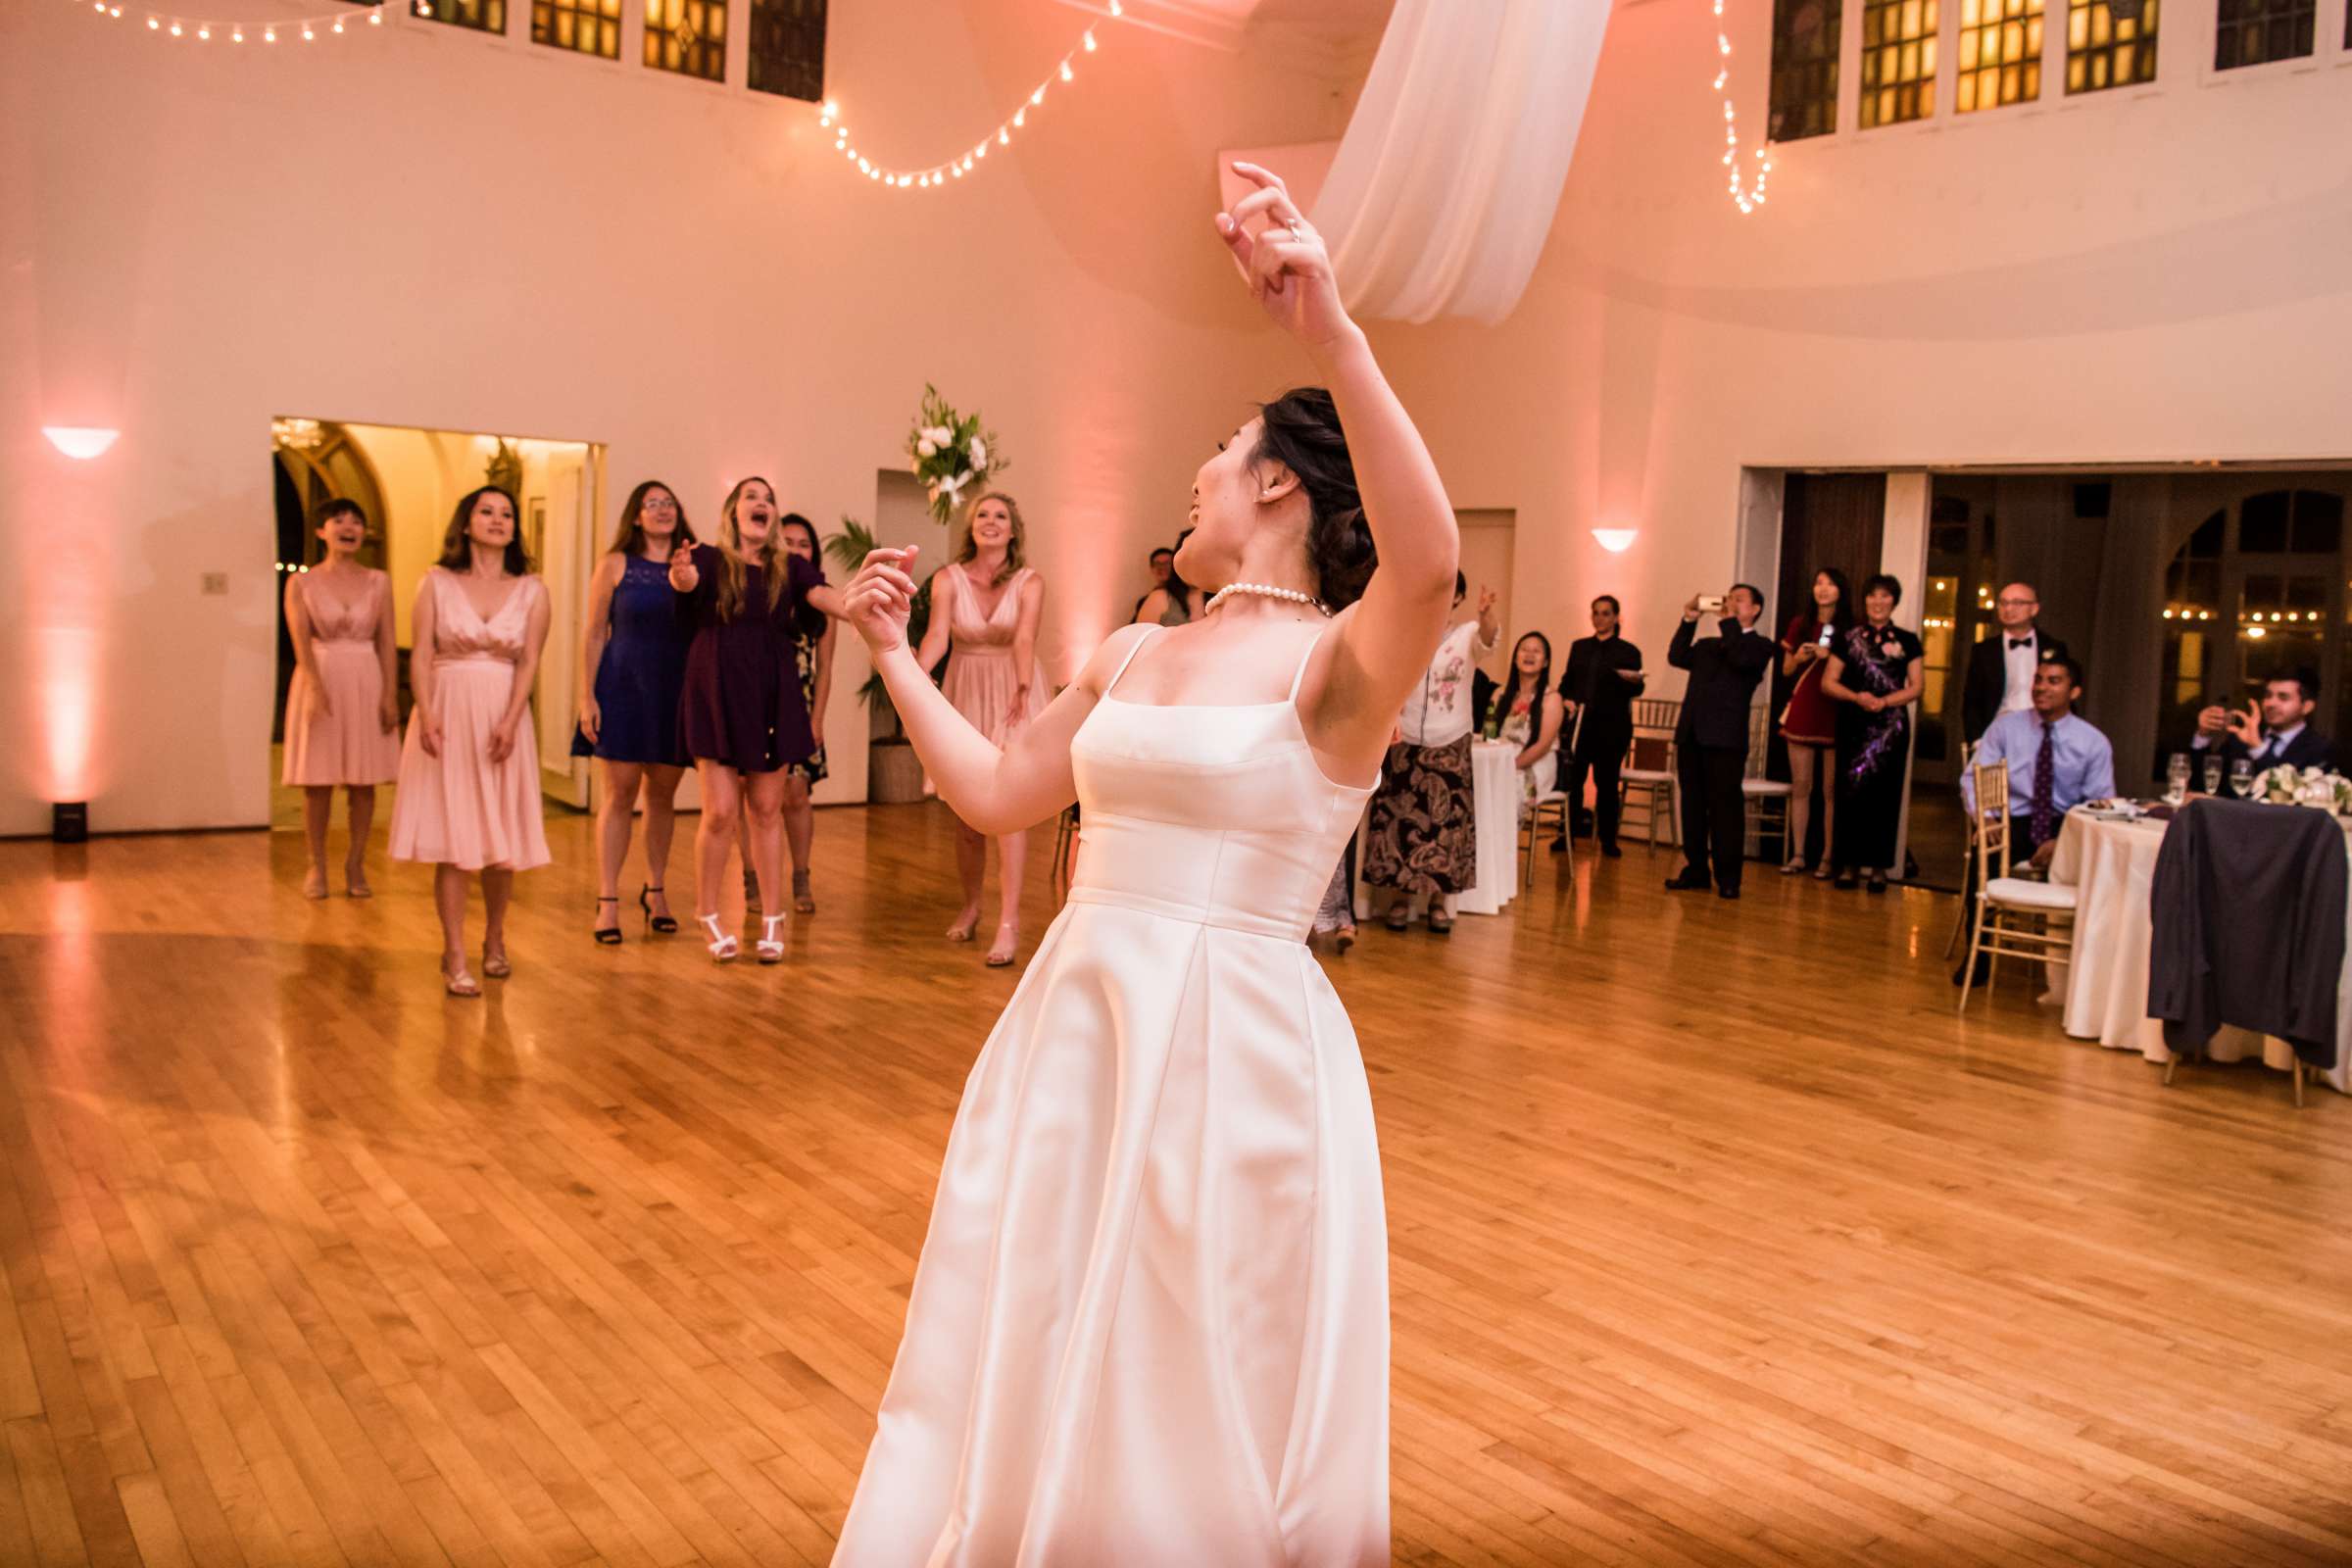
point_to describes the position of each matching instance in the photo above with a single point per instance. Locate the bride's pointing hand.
(879, 598)
(1283, 261)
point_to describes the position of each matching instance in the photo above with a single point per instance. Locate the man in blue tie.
(2278, 733)
(2057, 759)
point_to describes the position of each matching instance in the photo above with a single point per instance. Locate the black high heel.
(605, 936)
(664, 924)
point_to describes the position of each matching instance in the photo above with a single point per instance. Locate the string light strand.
(937, 176)
(207, 30)
(1745, 196)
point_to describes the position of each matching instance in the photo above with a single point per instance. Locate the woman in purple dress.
(743, 717)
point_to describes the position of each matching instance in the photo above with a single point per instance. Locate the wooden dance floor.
(1716, 1239)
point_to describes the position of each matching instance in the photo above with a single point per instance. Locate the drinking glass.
(2176, 779)
(2213, 774)
(2242, 776)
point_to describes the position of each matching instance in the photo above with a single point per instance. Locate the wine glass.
(2242, 776)
(2213, 774)
(2176, 779)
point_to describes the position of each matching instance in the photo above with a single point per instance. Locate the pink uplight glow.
(66, 676)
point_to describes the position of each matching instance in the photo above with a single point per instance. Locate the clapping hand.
(1284, 262)
(880, 597)
(682, 575)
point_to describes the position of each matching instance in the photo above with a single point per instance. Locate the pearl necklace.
(1265, 590)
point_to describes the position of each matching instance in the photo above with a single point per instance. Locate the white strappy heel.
(723, 944)
(771, 946)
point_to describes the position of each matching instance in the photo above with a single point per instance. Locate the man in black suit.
(2278, 733)
(2000, 668)
(1604, 676)
(1711, 741)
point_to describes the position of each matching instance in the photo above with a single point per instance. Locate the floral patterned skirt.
(1424, 834)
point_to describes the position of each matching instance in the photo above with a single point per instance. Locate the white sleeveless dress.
(1150, 1322)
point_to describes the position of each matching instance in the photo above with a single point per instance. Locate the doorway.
(407, 480)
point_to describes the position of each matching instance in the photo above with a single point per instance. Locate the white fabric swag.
(1445, 185)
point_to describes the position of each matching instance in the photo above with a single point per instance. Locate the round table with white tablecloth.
(2110, 864)
(1495, 795)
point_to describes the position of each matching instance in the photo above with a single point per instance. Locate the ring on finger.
(1297, 228)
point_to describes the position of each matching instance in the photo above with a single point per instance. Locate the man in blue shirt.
(2046, 743)
(2056, 761)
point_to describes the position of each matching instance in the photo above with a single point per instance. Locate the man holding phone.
(1711, 740)
(1604, 676)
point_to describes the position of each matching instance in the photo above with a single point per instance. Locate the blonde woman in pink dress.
(468, 800)
(985, 607)
(1150, 1322)
(342, 710)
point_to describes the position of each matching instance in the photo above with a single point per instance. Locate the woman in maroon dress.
(1809, 719)
(744, 718)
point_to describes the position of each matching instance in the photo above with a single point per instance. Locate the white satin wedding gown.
(1150, 1322)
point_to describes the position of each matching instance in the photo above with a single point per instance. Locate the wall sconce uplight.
(79, 441)
(1616, 541)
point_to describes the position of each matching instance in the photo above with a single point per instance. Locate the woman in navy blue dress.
(632, 668)
(742, 716)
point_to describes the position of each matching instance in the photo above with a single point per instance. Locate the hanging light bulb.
(1065, 71)
(1090, 40)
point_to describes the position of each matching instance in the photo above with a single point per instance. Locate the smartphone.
(1710, 604)
(1826, 634)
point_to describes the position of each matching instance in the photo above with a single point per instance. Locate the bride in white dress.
(1150, 1322)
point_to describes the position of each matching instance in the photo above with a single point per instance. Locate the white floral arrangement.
(2304, 786)
(950, 454)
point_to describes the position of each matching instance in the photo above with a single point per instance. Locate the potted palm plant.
(893, 776)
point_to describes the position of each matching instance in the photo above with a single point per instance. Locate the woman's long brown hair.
(1013, 554)
(730, 566)
(628, 539)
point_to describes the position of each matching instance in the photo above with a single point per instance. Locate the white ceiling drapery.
(1445, 185)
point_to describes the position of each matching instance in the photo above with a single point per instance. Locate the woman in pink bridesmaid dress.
(984, 608)
(342, 711)
(1151, 1324)
(469, 798)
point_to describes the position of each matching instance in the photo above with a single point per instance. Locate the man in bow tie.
(2000, 668)
(2277, 733)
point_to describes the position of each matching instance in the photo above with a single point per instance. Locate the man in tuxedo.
(2057, 759)
(1604, 676)
(2000, 668)
(2278, 732)
(1710, 742)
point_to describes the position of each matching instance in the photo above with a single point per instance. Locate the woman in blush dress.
(985, 607)
(342, 710)
(468, 800)
(632, 670)
(1150, 1321)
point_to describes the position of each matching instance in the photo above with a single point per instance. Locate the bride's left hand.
(1284, 262)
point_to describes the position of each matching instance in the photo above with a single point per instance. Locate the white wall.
(434, 229)
(2157, 275)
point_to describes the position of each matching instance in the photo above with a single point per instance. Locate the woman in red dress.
(1809, 721)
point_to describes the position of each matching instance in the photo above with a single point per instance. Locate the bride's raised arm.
(1384, 642)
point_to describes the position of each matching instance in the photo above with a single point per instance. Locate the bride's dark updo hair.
(1302, 431)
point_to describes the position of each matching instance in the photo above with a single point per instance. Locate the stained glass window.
(1898, 60)
(687, 36)
(1805, 39)
(2110, 43)
(788, 48)
(2000, 54)
(590, 26)
(2251, 32)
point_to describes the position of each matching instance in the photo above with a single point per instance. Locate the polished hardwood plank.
(1716, 1237)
